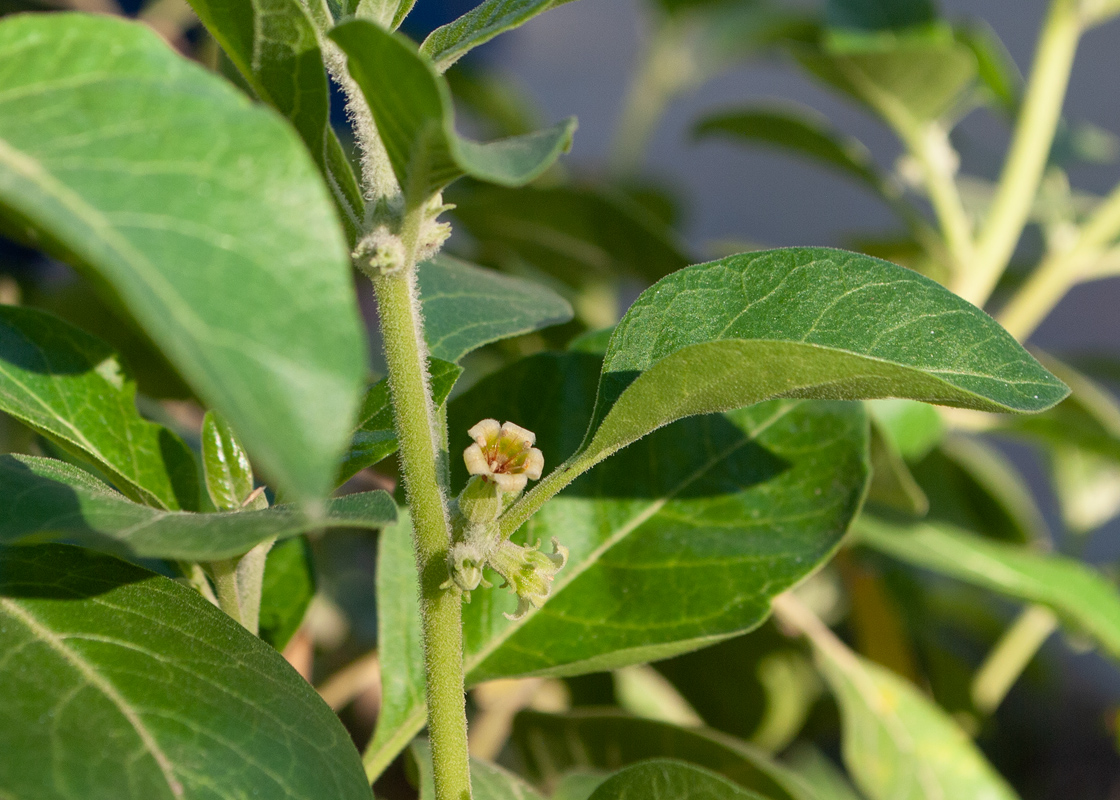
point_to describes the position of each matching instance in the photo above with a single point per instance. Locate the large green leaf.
(275, 46)
(488, 781)
(448, 43)
(799, 130)
(375, 436)
(571, 232)
(669, 780)
(1076, 592)
(898, 744)
(466, 306)
(120, 684)
(803, 322)
(72, 388)
(677, 543)
(550, 744)
(412, 107)
(203, 212)
(50, 500)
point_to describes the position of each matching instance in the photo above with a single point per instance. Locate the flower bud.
(528, 572)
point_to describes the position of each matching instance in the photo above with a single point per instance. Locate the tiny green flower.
(504, 455)
(528, 571)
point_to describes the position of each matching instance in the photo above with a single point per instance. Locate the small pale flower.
(504, 455)
(528, 572)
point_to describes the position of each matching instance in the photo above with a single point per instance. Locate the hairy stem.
(224, 574)
(1011, 655)
(1030, 149)
(1061, 271)
(420, 445)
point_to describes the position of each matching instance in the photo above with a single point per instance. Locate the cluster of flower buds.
(501, 462)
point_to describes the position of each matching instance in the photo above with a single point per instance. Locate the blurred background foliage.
(718, 126)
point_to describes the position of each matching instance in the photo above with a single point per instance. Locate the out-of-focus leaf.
(799, 130)
(51, 500)
(641, 690)
(502, 105)
(898, 744)
(996, 69)
(202, 211)
(488, 781)
(892, 484)
(1074, 591)
(724, 682)
(913, 428)
(412, 107)
(466, 306)
(448, 43)
(375, 437)
(570, 232)
(907, 79)
(150, 692)
(669, 780)
(289, 585)
(972, 485)
(578, 784)
(669, 542)
(880, 15)
(275, 47)
(550, 745)
(72, 388)
(1087, 486)
(816, 769)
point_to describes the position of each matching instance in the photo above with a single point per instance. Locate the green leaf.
(892, 483)
(214, 229)
(289, 586)
(880, 15)
(448, 43)
(907, 79)
(803, 322)
(52, 500)
(898, 744)
(913, 428)
(488, 781)
(72, 388)
(120, 684)
(375, 437)
(274, 45)
(572, 233)
(816, 769)
(799, 130)
(678, 543)
(466, 306)
(996, 69)
(225, 465)
(669, 780)
(1074, 591)
(972, 485)
(551, 744)
(412, 107)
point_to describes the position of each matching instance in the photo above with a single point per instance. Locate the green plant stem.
(929, 145)
(1011, 655)
(225, 585)
(1061, 271)
(440, 610)
(666, 68)
(1030, 149)
(530, 503)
